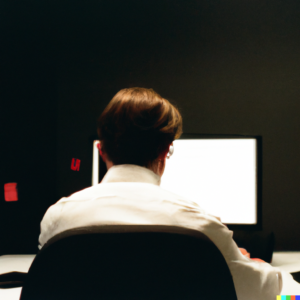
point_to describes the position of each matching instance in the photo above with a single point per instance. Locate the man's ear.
(100, 152)
(164, 154)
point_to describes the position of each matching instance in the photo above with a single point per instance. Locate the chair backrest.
(129, 262)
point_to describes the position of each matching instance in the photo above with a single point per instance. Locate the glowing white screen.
(95, 166)
(218, 174)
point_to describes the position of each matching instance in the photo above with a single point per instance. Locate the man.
(136, 130)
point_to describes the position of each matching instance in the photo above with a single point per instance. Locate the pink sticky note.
(10, 191)
(75, 164)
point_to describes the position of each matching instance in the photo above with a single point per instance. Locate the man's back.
(131, 194)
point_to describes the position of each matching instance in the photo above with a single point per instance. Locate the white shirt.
(130, 194)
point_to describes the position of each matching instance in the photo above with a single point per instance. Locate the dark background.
(232, 67)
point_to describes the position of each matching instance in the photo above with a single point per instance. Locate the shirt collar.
(130, 173)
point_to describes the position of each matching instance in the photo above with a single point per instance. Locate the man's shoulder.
(86, 192)
(132, 190)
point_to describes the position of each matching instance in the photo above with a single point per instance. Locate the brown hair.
(137, 126)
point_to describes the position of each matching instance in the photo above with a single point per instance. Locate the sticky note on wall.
(10, 191)
(75, 164)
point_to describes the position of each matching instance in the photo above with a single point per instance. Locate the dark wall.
(231, 67)
(28, 114)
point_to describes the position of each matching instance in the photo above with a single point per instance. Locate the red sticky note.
(75, 164)
(10, 191)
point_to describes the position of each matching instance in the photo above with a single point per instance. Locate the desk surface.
(20, 263)
(9, 263)
(287, 261)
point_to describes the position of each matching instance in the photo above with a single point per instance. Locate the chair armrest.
(12, 280)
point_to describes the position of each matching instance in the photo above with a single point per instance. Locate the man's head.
(138, 126)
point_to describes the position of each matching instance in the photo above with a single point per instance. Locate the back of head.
(137, 126)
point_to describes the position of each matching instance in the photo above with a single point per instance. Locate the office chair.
(129, 262)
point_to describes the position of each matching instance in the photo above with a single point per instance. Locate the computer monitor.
(221, 173)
